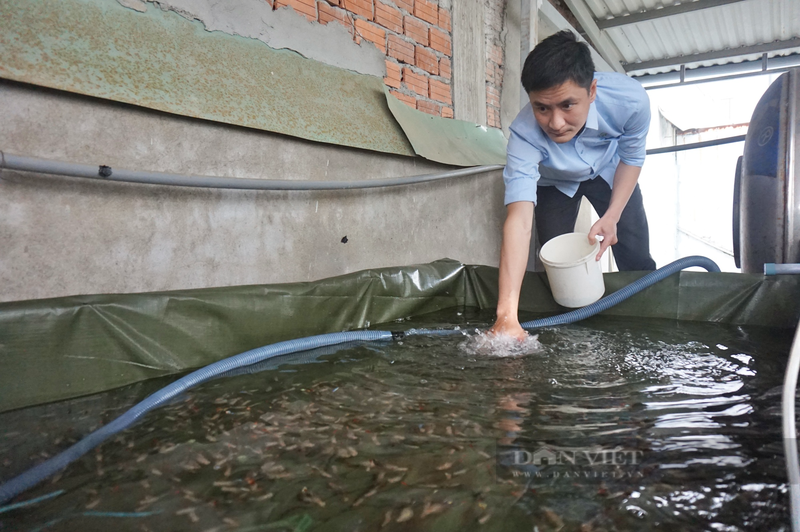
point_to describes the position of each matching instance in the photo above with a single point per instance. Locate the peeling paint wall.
(332, 44)
(413, 38)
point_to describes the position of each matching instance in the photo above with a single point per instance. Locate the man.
(583, 134)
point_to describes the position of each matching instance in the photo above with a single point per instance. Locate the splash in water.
(487, 344)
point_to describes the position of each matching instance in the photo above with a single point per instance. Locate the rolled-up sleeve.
(633, 141)
(522, 170)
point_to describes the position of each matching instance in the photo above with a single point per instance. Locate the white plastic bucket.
(576, 279)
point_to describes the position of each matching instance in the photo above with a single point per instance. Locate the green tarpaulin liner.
(446, 140)
(54, 349)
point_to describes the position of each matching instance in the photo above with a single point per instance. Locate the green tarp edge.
(732, 298)
(54, 349)
(447, 140)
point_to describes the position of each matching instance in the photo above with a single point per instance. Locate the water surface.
(610, 424)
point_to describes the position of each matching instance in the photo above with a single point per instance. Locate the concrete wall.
(64, 236)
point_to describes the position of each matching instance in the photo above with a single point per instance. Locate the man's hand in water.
(508, 326)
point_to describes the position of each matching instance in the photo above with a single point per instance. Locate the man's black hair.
(556, 60)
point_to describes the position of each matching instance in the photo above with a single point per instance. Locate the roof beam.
(550, 15)
(727, 71)
(599, 39)
(685, 7)
(717, 54)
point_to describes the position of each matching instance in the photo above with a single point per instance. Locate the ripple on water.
(491, 345)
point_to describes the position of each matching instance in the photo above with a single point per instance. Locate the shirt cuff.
(632, 161)
(520, 189)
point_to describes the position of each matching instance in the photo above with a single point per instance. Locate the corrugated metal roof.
(731, 33)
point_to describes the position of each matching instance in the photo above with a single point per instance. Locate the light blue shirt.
(616, 130)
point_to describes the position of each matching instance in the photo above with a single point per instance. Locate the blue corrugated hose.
(624, 293)
(33, 476)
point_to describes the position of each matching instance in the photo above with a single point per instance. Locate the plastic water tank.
(766, 213)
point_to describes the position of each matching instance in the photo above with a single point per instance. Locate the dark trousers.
(556, 214)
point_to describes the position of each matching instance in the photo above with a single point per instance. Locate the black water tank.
(766, 218)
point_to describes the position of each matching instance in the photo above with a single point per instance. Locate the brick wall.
(415, 35)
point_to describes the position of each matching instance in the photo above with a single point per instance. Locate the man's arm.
(631, 151)
(625, 179)
(513, 261)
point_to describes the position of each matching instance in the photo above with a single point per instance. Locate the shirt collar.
(591, 118)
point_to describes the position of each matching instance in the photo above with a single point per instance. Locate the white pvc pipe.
(106, 173)
(790, 430)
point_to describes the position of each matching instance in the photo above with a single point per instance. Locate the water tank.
(766, 214)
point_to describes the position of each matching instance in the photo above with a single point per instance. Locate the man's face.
(561, 111)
